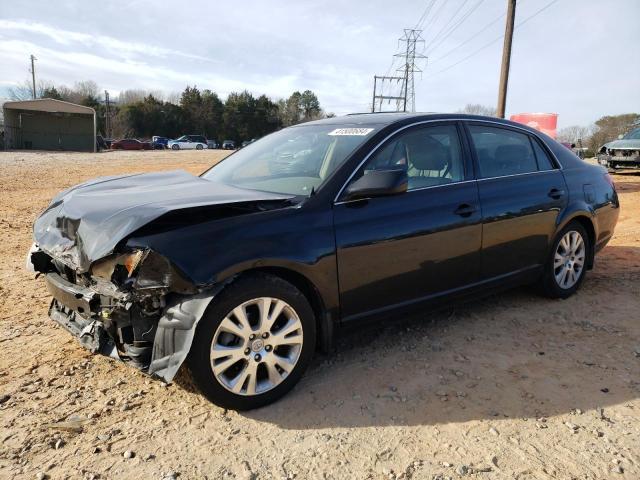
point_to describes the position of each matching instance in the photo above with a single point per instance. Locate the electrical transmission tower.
(411, 38)
(406, 99)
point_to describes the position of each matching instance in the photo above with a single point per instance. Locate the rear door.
(522, 193)
(397, 250)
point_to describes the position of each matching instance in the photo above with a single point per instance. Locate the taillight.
(609, 180)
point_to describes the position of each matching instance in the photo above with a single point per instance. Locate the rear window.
(501, 152)
(544, 162)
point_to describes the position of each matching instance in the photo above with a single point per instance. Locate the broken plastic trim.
(176, 330)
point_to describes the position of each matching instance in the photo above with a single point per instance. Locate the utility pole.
(107, 115)
(33, 76)
(506, 58)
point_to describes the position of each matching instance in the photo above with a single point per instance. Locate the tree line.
(144, 113)
(603, 130)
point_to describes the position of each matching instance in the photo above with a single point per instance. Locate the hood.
(86, 222)
(623, 144)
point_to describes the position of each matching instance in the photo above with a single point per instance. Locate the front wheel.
(567, 263)
(254, 343)
(175, 146)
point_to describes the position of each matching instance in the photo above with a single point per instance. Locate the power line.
(482, 30)
(446, 25)
(436, 44)
(487, 45)
(436, 14)
(425, 14)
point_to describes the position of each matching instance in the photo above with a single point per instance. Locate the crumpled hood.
(623, 144)
(86, 222)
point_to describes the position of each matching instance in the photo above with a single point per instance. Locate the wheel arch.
(586, 219)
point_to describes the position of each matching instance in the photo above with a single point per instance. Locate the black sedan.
(245, 271)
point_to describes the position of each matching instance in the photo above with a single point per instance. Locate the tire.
(553, 287)
(252, 357)
(198, 147)
(175, 146)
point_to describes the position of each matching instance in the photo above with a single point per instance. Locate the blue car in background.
(159, 143)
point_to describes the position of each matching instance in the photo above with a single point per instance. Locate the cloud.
(119, 48)
(576, 58)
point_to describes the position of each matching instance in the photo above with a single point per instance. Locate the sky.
(577, 58)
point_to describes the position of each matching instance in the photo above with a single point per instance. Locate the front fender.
(175, 332)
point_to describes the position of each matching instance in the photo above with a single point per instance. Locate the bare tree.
(127, 97)
(478, 109)
(575, 134)
(24, 90)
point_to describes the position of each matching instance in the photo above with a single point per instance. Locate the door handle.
(556, 193)
(465, 210)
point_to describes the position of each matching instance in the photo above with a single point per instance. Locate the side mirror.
(378, 183)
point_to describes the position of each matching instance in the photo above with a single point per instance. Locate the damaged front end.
(129, 301)
(134, 306)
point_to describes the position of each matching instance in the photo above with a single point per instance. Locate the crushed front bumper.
(74, 308)
(619, 161)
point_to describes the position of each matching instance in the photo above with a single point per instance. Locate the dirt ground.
(514, 386)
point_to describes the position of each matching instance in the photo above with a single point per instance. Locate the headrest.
(426, 153)
(511, 153)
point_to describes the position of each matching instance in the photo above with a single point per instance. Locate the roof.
(49, 105)
(388, 118)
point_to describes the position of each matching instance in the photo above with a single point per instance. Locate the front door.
(397, 250)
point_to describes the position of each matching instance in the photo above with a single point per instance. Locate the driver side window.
(432, 156)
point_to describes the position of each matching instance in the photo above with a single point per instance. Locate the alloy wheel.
(256, 346)
(569, 258)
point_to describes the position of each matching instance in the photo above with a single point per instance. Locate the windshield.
(292, 161)
(633, 135)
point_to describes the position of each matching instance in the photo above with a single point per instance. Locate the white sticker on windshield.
(351, 131)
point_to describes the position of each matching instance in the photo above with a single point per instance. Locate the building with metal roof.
(48, 124)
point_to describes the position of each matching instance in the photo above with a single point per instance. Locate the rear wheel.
(567, 264)
(254, 343)
(199, 147)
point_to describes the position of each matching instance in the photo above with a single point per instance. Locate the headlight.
(129, 262)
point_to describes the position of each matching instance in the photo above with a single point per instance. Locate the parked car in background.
(130, 144)
(159, 143)
(621, 153)
(229, 145)
(212, 144)
(101, 144)
(188, 142)
(243, 273)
